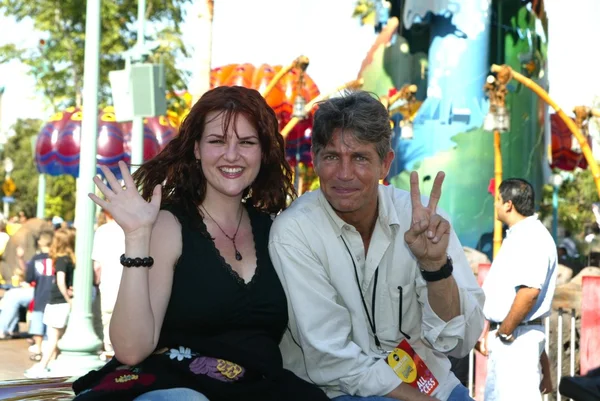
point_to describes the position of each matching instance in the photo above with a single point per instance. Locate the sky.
(277, 31)
(259, 31)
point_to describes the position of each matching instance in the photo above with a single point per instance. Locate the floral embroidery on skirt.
(218, 369)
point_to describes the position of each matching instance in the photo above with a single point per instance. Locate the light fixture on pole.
(582, 118)
(406, 129)
(299, 110)
(497, 121)
(502, 119)
(497, 118)
(138, 91)
(407, 94)
(489, 121)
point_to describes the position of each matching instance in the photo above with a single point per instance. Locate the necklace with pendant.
(238, 255)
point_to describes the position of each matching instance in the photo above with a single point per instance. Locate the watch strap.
(444, 272)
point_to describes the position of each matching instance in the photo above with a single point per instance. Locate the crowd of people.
(218, 283)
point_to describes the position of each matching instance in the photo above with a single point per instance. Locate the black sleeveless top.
(209, 298)
(220, 336)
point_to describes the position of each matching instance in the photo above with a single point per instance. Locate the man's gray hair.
(357, 113)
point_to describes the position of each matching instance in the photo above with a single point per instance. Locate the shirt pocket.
(401, 313)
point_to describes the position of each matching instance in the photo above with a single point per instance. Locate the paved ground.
(14, 359)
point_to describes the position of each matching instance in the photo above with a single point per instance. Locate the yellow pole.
(301, 62)
(497, 182)
(583, 143)
(300, 184)
(357, 83)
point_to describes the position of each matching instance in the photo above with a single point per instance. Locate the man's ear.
(387, 164)
(508, 206)
(315, 160)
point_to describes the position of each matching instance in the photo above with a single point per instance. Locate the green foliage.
(60, 197)
(57, 62)
(19, 149)
(60, 191)
(575, 198)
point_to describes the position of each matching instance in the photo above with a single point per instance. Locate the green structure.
(447, 50)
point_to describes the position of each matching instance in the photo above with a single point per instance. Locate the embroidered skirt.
(218, 379)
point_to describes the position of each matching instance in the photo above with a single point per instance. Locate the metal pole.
(6, 210)
(80, 343)
(137, 127)
(141, 32)
(471, 363)
(547, 345)
(41, 192)
(41, 197)
(555, 213)
(573, 321)
(559, 341)
(497, 181)
(137, 143)
(200, 82)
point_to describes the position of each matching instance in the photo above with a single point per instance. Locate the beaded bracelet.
(137, 262)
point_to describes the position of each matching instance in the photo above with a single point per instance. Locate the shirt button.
(347, 228)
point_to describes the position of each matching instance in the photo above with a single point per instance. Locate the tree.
(19, 149)
(60, 191)
(576, 196)
(57, 62)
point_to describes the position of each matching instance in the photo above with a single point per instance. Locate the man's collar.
(526, 221)
(387, 213)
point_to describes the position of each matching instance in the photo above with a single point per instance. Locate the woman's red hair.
(182, 179)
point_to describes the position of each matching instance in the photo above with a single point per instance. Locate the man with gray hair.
(379, 289)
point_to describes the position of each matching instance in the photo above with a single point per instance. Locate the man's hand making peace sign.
(429, 233)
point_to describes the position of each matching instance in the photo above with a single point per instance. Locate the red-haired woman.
(56, 313)
(200, 310)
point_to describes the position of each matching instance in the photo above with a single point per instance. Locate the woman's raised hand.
(125, 204)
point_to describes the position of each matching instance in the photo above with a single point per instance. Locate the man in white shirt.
(367, 266)
(109, 245)
(519, 290)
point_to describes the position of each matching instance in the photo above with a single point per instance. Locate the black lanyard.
(362, 297)
(372, 323)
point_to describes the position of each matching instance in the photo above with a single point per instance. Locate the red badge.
(411, 369)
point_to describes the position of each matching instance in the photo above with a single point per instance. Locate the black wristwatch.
(444, 272)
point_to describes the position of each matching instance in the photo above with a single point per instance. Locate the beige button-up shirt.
(330, 341)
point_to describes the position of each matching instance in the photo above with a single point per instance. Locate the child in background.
(40, 269)
(57, 311)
